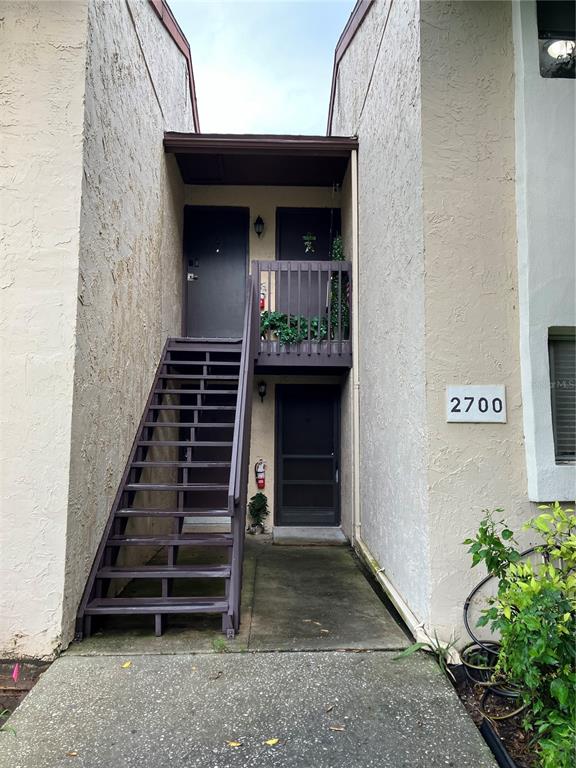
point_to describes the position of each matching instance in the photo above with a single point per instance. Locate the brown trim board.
(222, 143)
(352, 25)
(164, 13)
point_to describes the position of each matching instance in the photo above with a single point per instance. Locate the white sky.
(263, 66)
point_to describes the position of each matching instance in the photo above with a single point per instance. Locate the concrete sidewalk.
(312, 667)
(328, 710)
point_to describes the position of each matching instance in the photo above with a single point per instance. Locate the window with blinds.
(562, 352)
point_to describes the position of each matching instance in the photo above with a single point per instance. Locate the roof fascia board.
(352, 26)
(187, 143)
(164, 13)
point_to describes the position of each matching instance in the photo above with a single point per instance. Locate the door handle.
(337, 474)
(191, 276)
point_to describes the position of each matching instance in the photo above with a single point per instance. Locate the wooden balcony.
(306, 319)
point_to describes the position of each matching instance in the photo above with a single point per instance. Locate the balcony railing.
(304, 313)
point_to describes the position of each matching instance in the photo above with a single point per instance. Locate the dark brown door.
(215, 257)
(292, 225)
(307, 455)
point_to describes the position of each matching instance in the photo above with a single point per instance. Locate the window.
(562, 353)
(556, 37)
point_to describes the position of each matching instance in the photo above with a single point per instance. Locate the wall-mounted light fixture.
(560, 50)
(259, 226)
(262, 390)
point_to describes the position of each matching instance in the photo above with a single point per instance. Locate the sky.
(263, 66)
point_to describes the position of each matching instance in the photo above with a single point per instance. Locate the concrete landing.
(294, 598)
(308, 536)
(327, 710)
(317, 598)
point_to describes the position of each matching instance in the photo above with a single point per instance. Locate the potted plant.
(258, 509)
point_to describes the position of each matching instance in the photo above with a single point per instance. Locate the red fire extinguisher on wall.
(260, 472)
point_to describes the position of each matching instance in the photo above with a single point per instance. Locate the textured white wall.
(545, 157)
(130, 284)
(472, 334)
(42, 62)
(378, 98)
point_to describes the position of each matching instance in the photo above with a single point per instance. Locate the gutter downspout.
(357, 521)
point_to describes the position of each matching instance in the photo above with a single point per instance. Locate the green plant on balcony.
(293, 329)
(339, 296)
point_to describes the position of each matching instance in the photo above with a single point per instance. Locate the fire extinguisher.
(260, 472)
(262, 297)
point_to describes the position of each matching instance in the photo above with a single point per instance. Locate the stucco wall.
(378, 98)
(472, 309)
(545, 157)
(42, 62)
(129, 291)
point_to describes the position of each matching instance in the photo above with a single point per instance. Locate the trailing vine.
(339, 309)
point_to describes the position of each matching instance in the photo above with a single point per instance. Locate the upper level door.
(215, 260)
(319, 226)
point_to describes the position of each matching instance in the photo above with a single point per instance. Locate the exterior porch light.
(561, 50)
(262, 390)
(259, 226)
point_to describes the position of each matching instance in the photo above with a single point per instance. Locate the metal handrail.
(246, 367)
(238, 484)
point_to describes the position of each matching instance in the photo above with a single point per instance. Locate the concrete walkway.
(121, 701)
(294, 598)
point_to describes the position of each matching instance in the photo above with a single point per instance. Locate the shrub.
(535, 613)
(258, 508)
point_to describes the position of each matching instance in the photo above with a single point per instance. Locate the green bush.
(258, 508)
(535, 614)
(294, 330)
(339, 309)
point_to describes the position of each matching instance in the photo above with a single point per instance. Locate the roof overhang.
(249, 159)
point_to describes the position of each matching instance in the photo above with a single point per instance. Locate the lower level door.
(307, 451)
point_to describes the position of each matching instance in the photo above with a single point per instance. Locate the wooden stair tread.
(204, 363)
(176, 487)
(234, 347)
(195, 443)
(201, 407)
(194, 424)
(173, 539)
(135, 605)
(195, 391)
(165, 571)
(208, 376)
(184, 464)
(184, 512)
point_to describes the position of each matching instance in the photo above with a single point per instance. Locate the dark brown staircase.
(188, 468)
